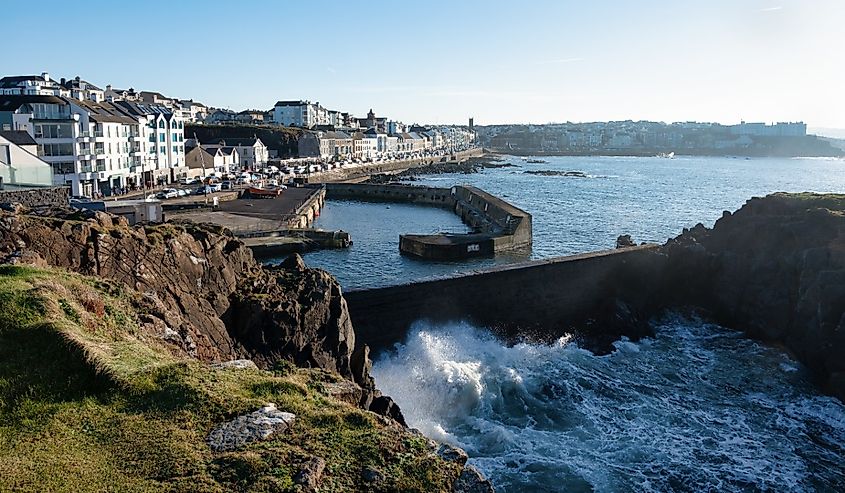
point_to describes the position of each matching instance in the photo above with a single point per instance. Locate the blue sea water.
(651, 199)
(696, 408)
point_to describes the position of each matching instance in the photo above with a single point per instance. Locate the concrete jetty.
(497, 225)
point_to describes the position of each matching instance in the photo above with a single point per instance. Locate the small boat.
(264, 192)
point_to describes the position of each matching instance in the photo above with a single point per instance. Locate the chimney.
(62, 81)
(108, 87)
(46, 76)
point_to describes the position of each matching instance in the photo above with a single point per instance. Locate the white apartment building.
(295, 114)
(32, 85)
(98, 147)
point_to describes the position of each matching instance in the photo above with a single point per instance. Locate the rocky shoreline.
(774, 269)
(467, 166)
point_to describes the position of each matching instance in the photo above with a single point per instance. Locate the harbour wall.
(498, 226)
(363, 172)
(606, 289)
(440, 197)
(34, 197)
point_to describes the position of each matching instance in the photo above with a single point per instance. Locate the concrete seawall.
(558, 295)
(365, 171)
(440, 197)
(498, 226)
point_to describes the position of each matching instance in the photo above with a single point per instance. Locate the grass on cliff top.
(90, 402)
(832, 201)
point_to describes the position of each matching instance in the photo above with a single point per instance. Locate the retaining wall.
(554, 295)
(33, 197)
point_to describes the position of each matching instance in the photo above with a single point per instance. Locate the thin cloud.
(771, 9)
(331, 70)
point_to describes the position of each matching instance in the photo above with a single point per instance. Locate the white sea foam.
(696, 408)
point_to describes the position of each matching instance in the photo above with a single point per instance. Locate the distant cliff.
(283, 140)
(774, 269)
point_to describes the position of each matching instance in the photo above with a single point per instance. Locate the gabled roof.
(11, 102)
(292, 103)
(242, 142)
(78, 83)
(15, 80)
(18, 137)
(104, 112)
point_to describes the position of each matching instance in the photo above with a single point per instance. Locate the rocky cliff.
(201, 287)
(775, 269)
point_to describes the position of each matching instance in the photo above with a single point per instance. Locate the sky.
(433, 61)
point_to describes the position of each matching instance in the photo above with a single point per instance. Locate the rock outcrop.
(201, 289)
(256, 426)
(774, 269)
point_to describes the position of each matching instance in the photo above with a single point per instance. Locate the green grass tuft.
(89, 402)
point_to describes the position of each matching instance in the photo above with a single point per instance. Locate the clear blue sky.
(443, 61)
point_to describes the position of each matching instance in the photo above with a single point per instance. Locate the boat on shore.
(264, 192)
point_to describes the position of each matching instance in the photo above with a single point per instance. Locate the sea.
(697, 407)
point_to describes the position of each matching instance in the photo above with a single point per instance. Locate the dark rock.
(452, 454)
(372, 475)
(624, 241)
(775, 269)
(294, 262)
(310, 474)
(546, 172)
(472, 481)
(202, 290)
(385, 406)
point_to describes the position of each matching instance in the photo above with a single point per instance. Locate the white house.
(32, 85)
(19, 164)
(253, 154)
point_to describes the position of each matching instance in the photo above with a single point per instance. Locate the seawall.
(34, 197)
(775, 270)
(558, 295)
(498, 226)
(365, 171)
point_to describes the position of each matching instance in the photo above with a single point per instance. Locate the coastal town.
(647, 138)
(103, 142)
(397, 247)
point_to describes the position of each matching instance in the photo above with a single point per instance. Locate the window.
(101, 165)
(161, 124)
(162, 149)
(161, 137)
(55, 149)
(175, 149)
(53, 131)
(63, 168)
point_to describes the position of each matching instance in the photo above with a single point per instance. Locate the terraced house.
(99, 147)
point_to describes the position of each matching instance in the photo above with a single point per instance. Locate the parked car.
(78, 199)
(182, 192)
(203, 190)
(168, 193)
(227, 185)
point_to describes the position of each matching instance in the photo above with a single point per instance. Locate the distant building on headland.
(780, 129)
